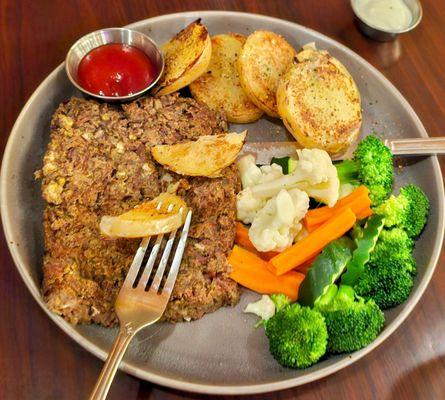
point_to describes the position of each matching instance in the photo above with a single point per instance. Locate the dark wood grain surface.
(38, 361)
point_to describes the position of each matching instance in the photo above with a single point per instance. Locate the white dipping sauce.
(384, 14)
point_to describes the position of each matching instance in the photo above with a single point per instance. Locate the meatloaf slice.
(202, 285)
(98, 163)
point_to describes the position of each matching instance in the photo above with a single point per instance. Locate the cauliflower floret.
(319, 177)
(247, 205)
(275, 226)
(275, 203)
(270, 172)
(252, 175)
(314, 174)
(264, 308)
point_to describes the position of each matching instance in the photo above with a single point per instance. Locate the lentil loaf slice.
(98, 163)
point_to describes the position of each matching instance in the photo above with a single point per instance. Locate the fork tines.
(139, 280)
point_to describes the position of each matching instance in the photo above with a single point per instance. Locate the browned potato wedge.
(186, 56)
(207, 156)
(220, 88)
(265, 57)
(163, 214)
(319, 102)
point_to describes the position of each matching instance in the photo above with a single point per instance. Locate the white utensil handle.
(417, 146)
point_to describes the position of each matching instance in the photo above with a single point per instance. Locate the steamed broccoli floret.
(280, 301)
(351, 321)
(394, 245)
(297, 336)
(388, 283)
(388, 277)
(409, 210)
(372, 166)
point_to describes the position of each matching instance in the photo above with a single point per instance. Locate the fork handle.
(106, 377)
(417, 146)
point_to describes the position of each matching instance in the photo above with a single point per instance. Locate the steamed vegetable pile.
(330, 270)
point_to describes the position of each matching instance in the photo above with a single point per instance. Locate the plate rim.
(229, 389)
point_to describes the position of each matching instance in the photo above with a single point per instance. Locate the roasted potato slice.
(163, 214)
(319, 102)
(186, 57)
(220, 88)
(207, 156)
(264, 58)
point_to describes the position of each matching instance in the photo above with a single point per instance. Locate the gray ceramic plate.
(222, 353)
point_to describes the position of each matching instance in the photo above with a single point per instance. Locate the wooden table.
(38, 361)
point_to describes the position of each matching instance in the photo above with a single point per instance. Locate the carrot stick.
(356, 205)
(251, 271)
(268, 255)
(357, 201)
(360, 191)
(365, 213)
(240, 257)
(309, 246)
(303, 268)
(242, 238)
(360, 212)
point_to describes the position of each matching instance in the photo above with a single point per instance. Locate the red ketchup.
(116, 69)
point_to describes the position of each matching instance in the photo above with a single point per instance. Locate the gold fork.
(137, 305)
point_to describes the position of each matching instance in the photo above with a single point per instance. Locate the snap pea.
(365, 245)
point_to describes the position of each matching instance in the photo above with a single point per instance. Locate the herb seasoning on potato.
(220, 88)
(319, 102)
(265, 57)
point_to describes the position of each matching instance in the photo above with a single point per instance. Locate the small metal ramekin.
(112, 35)
(383, 35)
